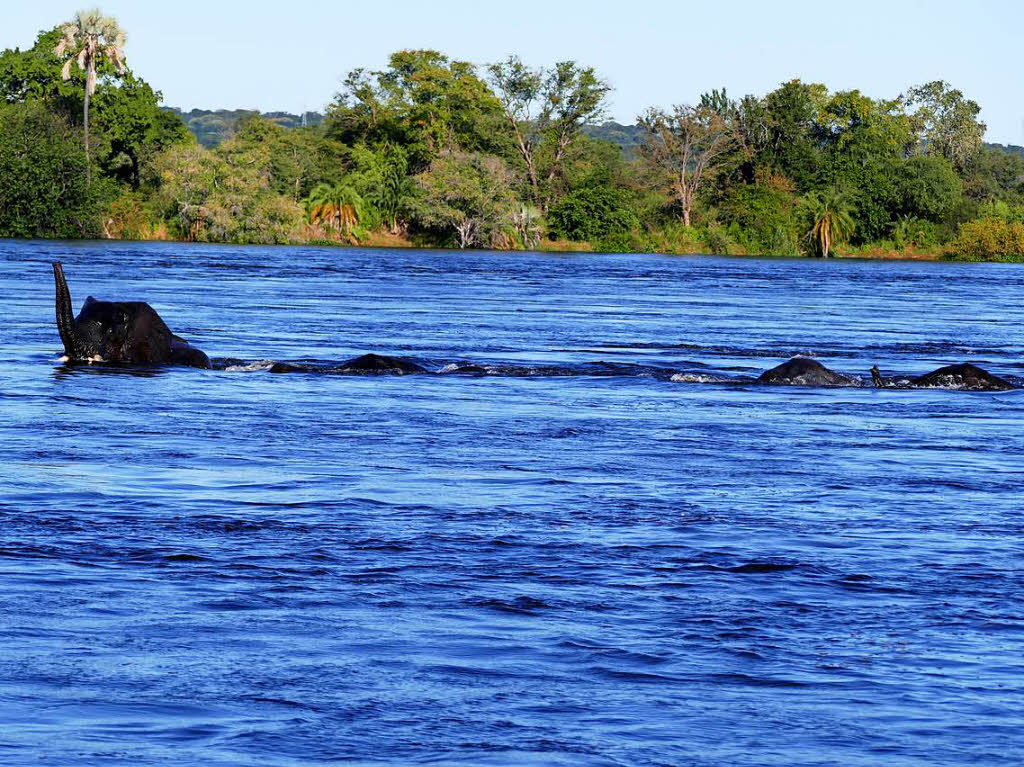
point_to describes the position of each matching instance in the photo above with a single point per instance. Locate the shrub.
(716, 239)
(1002, 210)
(989, 239)
(626, 242)
(592, 213)
(466, 197)
(130, 217)
(209, 198)
(762, 220)
(912, 232)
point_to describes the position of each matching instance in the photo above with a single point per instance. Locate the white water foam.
(696, 378)
(251, 367)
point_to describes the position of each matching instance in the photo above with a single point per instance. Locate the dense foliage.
(43, 189)
(435, 151)
(593, 213)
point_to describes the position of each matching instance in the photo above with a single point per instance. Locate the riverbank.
(393, 241)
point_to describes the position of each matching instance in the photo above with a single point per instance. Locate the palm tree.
(392, 186)
(390, 193)
(338, 207)
(87, 39)
(832, 219)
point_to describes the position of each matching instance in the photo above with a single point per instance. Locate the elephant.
(119, 332)
(962, 376)
(368, 364)
(801, 371)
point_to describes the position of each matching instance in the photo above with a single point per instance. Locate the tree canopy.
(433, 150)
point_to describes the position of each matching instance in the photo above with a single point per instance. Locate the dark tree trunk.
(88, 170)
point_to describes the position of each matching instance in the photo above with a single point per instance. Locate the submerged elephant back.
(119, 331)
(801, 371)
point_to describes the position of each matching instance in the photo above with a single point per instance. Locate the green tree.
(947, 122)
(927, 188)
(467, 194)
(188, 179)
(832, 220)
(35, 75)
(995, 174)
(86, 39)
(781, 131)
(382, 176)
(864, 142)
(132, 129)
(127, 126)
(43, 191)
(593, 162)
(425, 102)
(294, 159)
(762, 218)
(547, 109)
(210, 196)
(684, 148)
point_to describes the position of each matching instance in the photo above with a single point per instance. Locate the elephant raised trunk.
(65, 315)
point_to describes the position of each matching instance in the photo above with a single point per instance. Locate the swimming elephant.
(126, 332)
(368, 364)
(378, 363)
(801, 371)
(962, 376)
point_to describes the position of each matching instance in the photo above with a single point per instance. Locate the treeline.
(211, 127)
(433, 151)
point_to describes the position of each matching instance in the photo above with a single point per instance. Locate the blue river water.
(611, 548)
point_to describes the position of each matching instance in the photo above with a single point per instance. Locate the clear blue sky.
(291, 55)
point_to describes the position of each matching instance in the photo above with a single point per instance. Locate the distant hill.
(1008, 148)
(211, 127)
(626, 136)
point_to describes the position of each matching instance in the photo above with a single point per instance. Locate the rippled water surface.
(569, 559)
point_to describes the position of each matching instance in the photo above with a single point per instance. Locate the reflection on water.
(71, 368)
(601, 544)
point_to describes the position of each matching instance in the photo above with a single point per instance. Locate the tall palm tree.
(337, 206)
(832, 219)
(86, 40)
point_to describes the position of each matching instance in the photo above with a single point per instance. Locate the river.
(610, 548)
